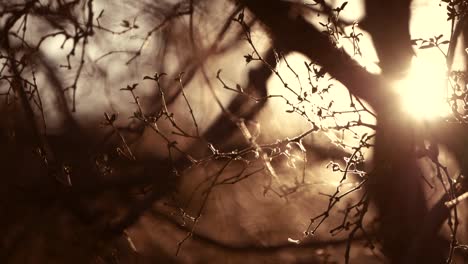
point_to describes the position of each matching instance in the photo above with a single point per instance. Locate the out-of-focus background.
(237, 223)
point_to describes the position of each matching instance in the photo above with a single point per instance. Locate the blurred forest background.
(250, 131)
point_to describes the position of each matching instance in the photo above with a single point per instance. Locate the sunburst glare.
(423, 91)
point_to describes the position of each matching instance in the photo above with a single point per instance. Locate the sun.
(423, 91)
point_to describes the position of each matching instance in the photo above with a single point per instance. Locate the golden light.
(423, 91)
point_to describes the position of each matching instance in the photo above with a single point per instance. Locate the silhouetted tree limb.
(294, 33)
(388, 24)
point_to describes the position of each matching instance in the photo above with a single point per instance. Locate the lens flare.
(423, 91)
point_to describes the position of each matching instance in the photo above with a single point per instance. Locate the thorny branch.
(256, 157)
